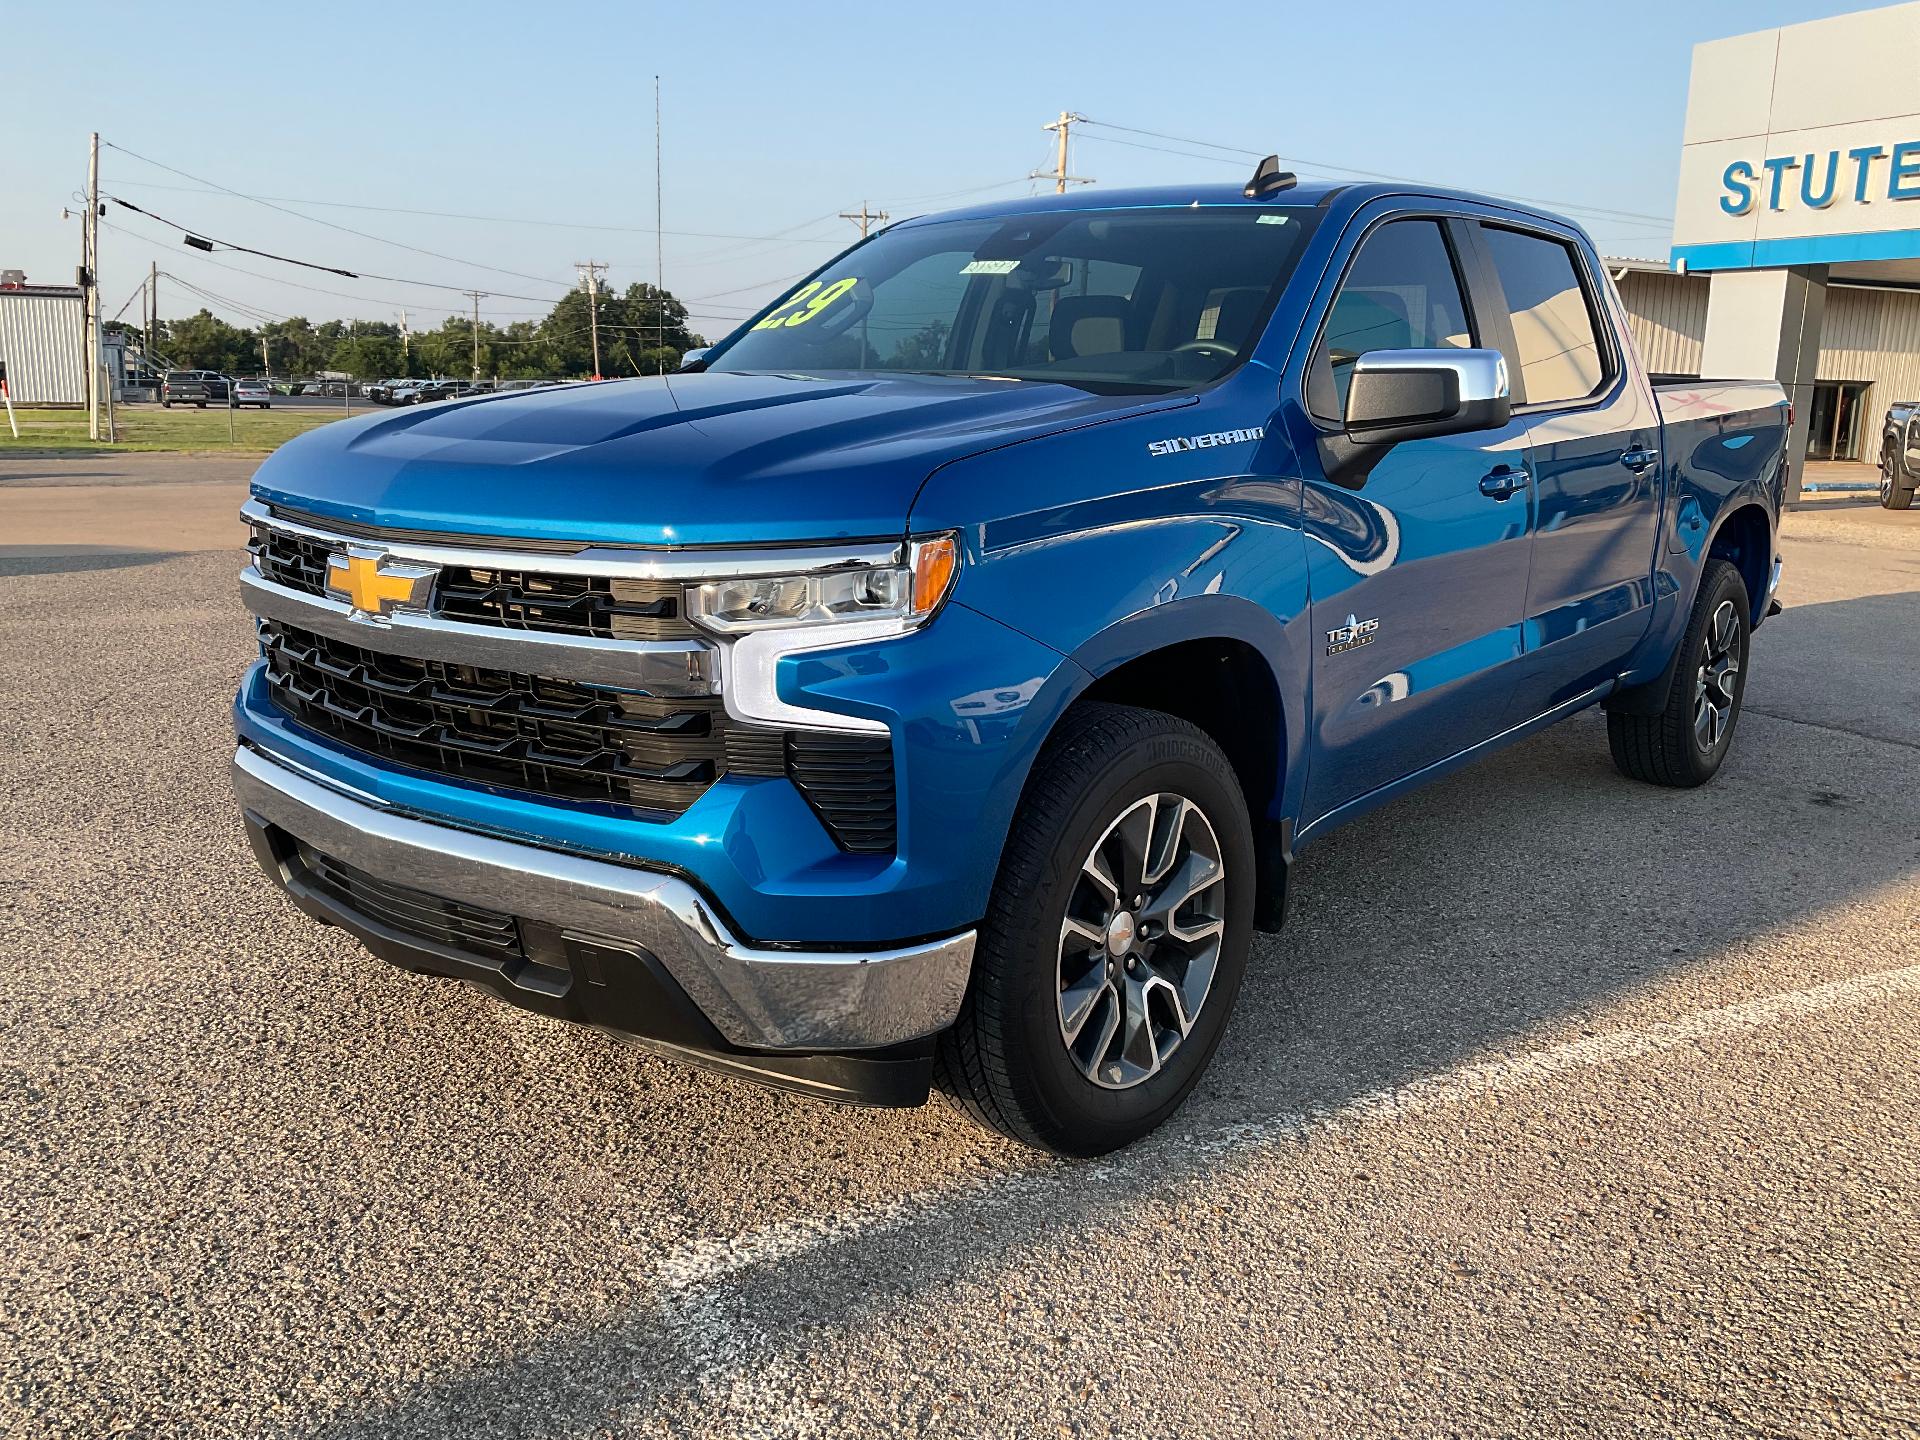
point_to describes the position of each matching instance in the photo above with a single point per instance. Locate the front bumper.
(629, 950)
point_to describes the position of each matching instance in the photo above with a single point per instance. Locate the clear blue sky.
(776, 117)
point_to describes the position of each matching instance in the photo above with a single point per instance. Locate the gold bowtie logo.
(375, 586)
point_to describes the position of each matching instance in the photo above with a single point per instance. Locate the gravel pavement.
(1564, 1106)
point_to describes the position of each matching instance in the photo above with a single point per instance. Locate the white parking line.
(688, 1267)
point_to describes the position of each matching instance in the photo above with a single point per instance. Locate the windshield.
(1113, 300)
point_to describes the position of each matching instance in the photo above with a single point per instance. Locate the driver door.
(1419, 576)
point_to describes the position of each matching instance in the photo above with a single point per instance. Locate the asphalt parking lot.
(1564, 1105)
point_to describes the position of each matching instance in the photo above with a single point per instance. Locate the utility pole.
(864, 217)
(90, 278)
(478, 296)
(659, 253)
(590, 273)
(406, 343)
(1061, 179)
(266, 365)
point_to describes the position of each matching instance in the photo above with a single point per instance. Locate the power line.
(344, 229)
(201, 259)
(775, 237)
(204, 240)
(757, 285)
(1348, 169)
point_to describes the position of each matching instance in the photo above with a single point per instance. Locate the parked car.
(942, 681)
(400, 392)
(381, 391)
(440, 390)
(195, 387)
(1900, 455)
(252, 392)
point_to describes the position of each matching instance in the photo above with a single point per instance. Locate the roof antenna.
(1268, 178)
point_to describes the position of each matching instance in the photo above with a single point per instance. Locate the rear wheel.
(1115, 939)
(1685, 743)
(1896, 491)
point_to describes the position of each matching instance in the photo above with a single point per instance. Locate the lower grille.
(568, 740)
(497, 727)
(447, 923)
(848, 780)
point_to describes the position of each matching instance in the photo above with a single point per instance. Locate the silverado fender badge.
(1205, 442)
(1352, 635)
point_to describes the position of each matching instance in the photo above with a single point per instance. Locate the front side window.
(1111, 301)
(1402, 293)
(1558, 352)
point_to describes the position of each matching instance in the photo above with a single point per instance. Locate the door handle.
(1639, 457)
(1505, 481)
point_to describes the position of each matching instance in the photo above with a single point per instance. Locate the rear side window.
(1558, 349)
(1401, 293)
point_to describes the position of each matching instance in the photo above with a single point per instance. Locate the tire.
(200, 404)
(1684, 744)
(166, 404)
(1894, 494)
(1106, 781)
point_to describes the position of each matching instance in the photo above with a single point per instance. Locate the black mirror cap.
(1417, 399)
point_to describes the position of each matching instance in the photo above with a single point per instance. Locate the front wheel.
(1685, 743)
(1115, 939)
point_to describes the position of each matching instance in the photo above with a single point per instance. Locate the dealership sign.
(1801, 142)
(1854, 176)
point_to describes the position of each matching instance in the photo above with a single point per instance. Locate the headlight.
(907, 594)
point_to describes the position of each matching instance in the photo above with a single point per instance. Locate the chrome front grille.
(606, 607)
(613, 609)
(534, 671)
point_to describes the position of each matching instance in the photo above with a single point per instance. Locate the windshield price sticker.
(804, 304)
(990, 267)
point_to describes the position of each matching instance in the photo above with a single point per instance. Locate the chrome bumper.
(798, 1000)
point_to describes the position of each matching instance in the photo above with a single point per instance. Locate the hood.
(702, 459)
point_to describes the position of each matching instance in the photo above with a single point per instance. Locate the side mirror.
(1398, 395)
(1414, 394)
(694, 357)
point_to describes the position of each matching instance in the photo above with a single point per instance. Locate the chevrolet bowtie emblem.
(376, 585)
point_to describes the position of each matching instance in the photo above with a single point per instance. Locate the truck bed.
(1684, 397)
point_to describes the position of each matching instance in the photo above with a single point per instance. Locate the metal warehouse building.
(43, 330)
(1869, 353)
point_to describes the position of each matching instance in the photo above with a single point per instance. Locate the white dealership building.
(1796, 255)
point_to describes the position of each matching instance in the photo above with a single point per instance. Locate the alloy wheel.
(1141, 941)
(1717, 683)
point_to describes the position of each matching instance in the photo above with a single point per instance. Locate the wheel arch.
(1211, 661)
(1743, 536)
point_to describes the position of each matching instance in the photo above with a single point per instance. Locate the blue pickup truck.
(932, 683)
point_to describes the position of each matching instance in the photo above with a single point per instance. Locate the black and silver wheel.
(1141, 941)
(1685, 742)
(1895, 493)
(1115, 940)
(1716, 681)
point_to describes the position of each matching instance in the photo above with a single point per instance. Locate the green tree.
(449, 349)
(367, 356)
(293, 347)
(205, 342)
